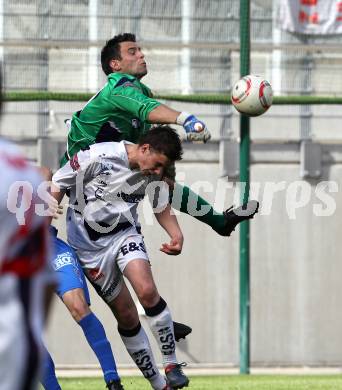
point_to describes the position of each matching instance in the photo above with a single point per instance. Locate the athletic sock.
(97, 339)
(49, 379)
(188, 202)
(139, 348)
(160, 321)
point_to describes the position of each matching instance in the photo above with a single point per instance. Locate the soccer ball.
(252, 95)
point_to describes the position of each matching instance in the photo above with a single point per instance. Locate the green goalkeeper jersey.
(118, 111)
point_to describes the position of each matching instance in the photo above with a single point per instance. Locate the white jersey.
(23, 248)
(24, 270)
(104, 195)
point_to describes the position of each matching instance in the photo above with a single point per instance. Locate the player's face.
(151, 162)
(132, 60)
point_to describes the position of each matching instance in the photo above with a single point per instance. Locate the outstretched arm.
(169, 222)
(195, 129)
(163, 114)
(129, 98)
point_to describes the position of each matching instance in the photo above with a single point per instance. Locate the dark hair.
(164, 139)
(111, 50)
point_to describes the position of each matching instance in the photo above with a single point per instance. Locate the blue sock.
(97, 339)
(49, 380)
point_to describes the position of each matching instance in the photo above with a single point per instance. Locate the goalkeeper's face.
(132, 60)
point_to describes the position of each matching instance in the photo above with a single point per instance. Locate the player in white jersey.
(25, 279)
(106, 183)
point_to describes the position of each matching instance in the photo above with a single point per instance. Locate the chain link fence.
(191, 46)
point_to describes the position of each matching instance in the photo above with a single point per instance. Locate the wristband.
(182, 117)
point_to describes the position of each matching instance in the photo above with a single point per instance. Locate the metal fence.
(191, 46)
(55, 45)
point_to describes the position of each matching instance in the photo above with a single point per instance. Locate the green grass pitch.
(234, 382)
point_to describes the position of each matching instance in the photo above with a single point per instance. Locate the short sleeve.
(65, 177)
(131, 98)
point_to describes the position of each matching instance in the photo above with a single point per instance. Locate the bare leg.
(76, 303)
(139, 274)
(94, 332)
(135, 338)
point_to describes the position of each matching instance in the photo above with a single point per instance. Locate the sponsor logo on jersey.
(130, 193)
(131, 198)
(135, 123)
(99, 193)
(129, 84)
(75, 165)
(63, 259)
(106, 166)
(95, 274)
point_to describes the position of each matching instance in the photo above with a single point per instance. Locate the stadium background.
(192, 47)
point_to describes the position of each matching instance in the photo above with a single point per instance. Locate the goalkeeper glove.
(195, 129)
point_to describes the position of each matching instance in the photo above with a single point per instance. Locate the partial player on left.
(26, 279)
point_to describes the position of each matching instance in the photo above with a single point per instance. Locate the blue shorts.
(67, 267)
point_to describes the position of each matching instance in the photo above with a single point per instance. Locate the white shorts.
(107, 276)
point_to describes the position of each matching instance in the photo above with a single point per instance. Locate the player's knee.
(77, 307)
(128, 318)
(148, 295)
(79, 311)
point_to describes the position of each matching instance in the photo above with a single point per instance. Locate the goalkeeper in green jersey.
(124, 109)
